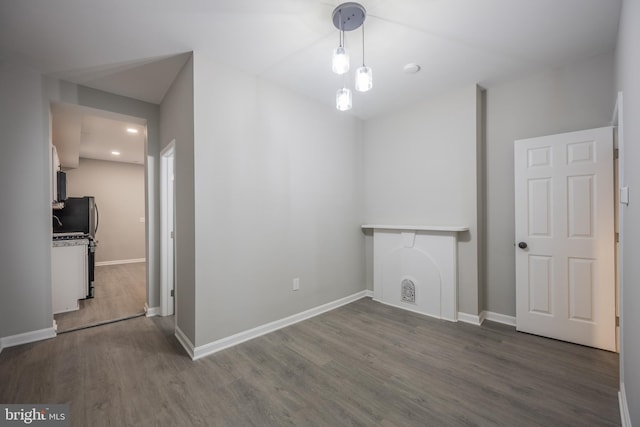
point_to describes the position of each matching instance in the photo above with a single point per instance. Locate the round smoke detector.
(411, 68)
(349, 16)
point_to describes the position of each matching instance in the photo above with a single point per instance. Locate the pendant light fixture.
(340, 59)
(343, 99)
(364, 74)
(348, 17)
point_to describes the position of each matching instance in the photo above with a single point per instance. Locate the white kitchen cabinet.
(69, 274)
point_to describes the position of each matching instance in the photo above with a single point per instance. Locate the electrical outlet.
(296, 283)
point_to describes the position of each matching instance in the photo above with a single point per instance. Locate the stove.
(91, 255)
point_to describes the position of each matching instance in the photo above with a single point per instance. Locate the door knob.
(522, 245)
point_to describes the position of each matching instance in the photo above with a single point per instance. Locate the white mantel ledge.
(447, 228)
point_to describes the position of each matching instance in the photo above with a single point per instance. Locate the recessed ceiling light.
(411, 68)
(115, 153)
(132, 130)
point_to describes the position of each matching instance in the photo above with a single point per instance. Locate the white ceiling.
(81, 132)
(145, 79)
(113, 45)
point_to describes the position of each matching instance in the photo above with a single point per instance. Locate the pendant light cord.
(341, 30)
(363, 44)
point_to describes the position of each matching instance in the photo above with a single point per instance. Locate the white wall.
(25, 223)
(628, 81)
(278, 195)
(420, 167)
(578, 96)
(118, 189)
(176, 123)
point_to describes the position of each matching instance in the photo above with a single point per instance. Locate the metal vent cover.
(408, 291)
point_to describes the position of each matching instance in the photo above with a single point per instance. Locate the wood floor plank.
(364, 364)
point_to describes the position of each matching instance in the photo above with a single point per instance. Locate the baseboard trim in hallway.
(151, 311)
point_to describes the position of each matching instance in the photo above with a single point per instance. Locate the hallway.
(120, 292)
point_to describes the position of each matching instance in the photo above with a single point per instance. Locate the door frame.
(167, 225)
(616, 122)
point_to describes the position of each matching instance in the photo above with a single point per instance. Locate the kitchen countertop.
(69, 242)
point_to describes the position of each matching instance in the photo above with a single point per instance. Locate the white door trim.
(167, 221)
(617, 120)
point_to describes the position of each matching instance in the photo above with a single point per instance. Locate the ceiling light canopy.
(348, 17)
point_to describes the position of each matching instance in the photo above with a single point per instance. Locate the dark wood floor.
(120, 292)
(365, 364)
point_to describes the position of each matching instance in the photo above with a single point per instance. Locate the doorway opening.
(103, 156)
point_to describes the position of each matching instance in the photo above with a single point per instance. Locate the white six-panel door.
(565, 275)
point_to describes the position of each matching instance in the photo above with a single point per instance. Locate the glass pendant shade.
(343, 99)
(364, 79)
(340, 60)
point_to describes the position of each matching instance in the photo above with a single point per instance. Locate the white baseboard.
(625, 418)
(121, 261)
(404, 307)
(500, 318)
(185, 341)
(368, 293)
(230, 341)
(473, 319)
(27, 337)
(483, 316)
(151, 311)
(486, 315)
